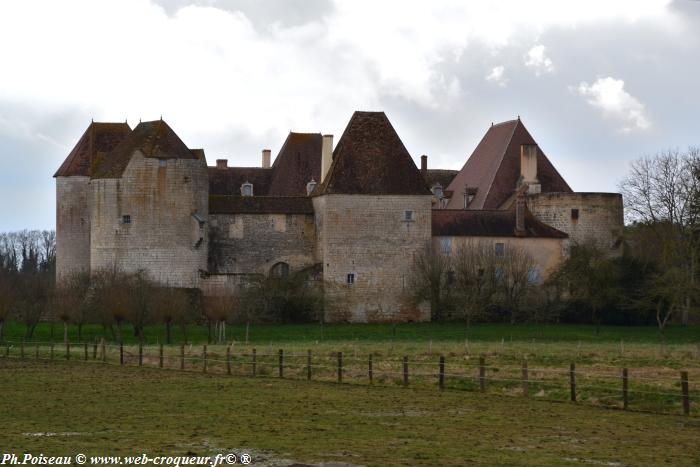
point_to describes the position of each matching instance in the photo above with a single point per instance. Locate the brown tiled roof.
(494, 168)
(487, 223)
(228, 181)
(442, 176)
(298, 162)
(153, 139)
(99, 139)
(260, 205)
(371, 159)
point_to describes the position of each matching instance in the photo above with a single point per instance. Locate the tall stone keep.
(72, 196)
(149, 203)
(372, 216)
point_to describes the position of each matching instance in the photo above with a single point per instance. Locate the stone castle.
(355, 214)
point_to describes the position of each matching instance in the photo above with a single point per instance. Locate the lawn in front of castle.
(65, 408)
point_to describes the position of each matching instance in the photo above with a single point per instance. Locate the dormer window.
(437, 191)
(247, 189)
(469, 194)
(310, 187)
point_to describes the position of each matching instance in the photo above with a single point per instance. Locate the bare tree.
(170, 305)
(428, 280)
(515, 275)
(662, 192)
(475, 278)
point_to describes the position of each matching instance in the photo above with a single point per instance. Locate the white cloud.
(496, 75)
(536, 59)
(609, 95)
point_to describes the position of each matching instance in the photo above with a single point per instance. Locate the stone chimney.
(266, 154)
(326, 156)
(528, 168)
(520, 214)
(222, 163)
(424, 166)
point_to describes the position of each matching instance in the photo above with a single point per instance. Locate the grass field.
(415, 332)
(64, 408)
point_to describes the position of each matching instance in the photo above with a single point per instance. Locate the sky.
(597, 83)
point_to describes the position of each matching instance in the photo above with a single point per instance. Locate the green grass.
(107, 410)
(415, 332)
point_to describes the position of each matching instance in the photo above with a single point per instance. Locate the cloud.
(609, 95)
(536, 59)
(496, 76)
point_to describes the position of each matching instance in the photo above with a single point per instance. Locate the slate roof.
(371, 159)
(260, 205)
(298, 162)
(494, 168)
(442, 176)
(228, 181)
(99, 139)
(488, 223)
(154, 139)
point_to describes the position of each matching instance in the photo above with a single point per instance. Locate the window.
(446, 245)
(408, 215)
(533, 276)
(310, 187)
(162, 162)
(574, 214)
(350, 279)
(500, 250)
(437, 191)
(126, 219)
(247, 189)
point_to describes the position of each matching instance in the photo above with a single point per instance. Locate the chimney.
(266, 153)
(326, 155)
(528, 167)
(520, 214)
(424, 166)
(222, 163)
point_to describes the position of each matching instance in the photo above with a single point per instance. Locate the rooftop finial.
(518, 117)
(161, 117)
(92, 120)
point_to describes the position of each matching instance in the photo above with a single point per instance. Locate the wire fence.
(658, 390)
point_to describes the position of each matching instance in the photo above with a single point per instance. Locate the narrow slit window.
(350, 279)
(574, 214)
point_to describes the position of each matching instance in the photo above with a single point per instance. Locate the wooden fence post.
(228, 360)
(160, 355)
(86, 350)
(255, 363)
(94, 351)
(625, 386)
(140, 353)
(182, 356)
(67, 351)
(204, 355)
(121, 353)
(21, 349)
(7, 350)
(482, 374)
(441, 374)
(526, 385)
(36, 352)
(308, 365)
(104, 351)
(340, 367)
(572, 381)
(281, 363)
(369, 369)
(405, 371)
(684, 391)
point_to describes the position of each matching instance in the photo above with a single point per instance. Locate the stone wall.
(369, 237)
(600, 217)
(253, 243)
(547, 253)
(72, 226)
(163, 237)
